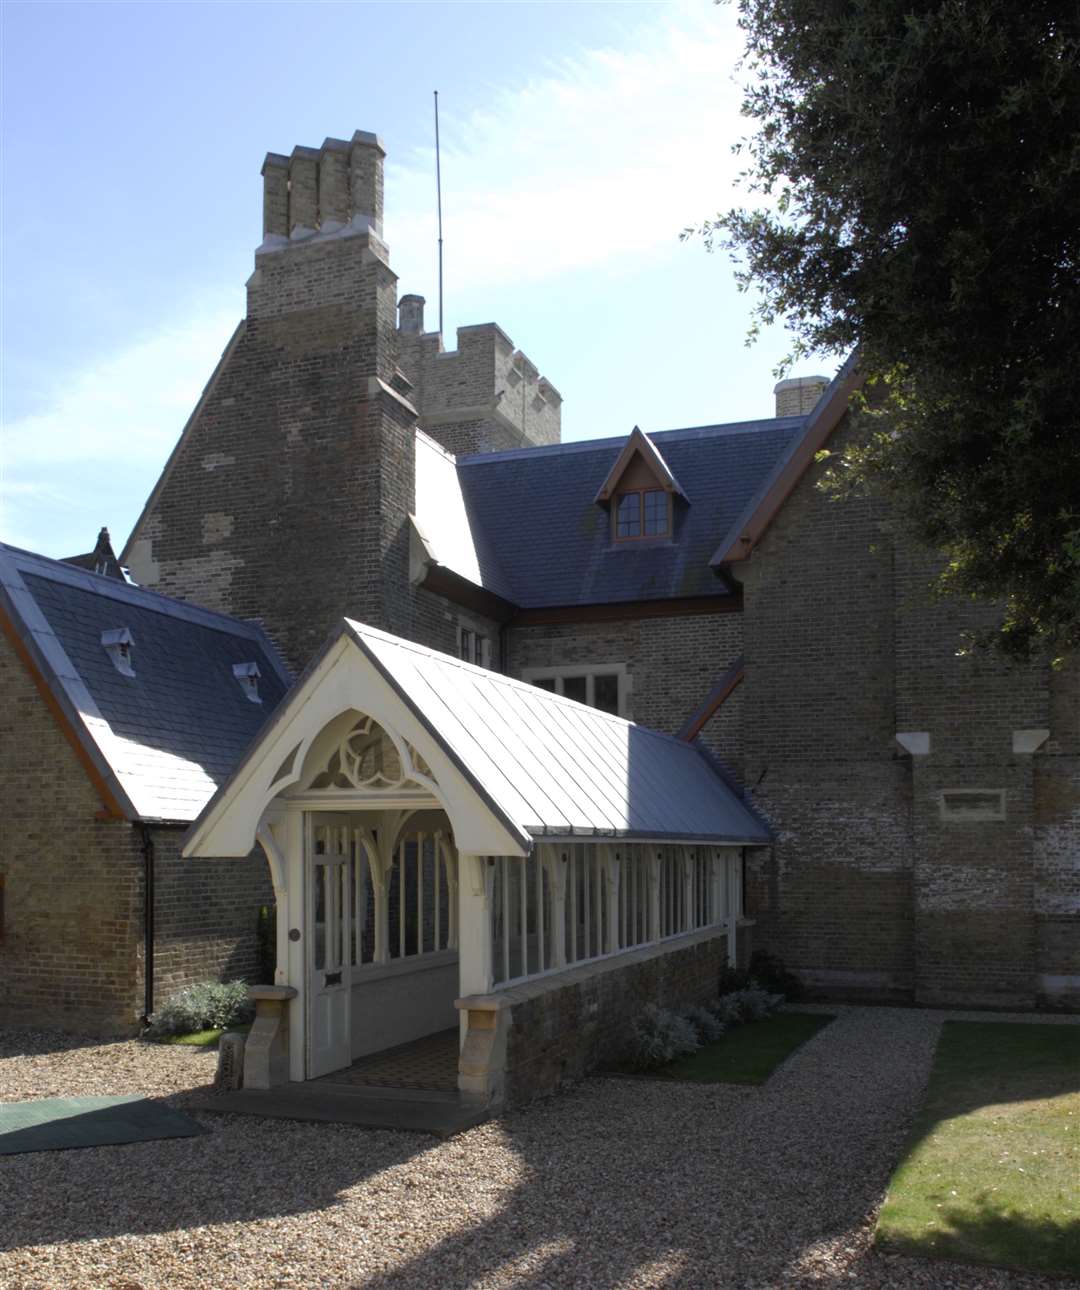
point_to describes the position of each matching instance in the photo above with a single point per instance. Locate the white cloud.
(131, 406)
(608, 155)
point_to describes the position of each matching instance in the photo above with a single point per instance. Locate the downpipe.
(149, 868)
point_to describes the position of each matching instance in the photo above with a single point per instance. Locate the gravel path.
(617, 1183)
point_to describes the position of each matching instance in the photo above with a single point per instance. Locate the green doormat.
(59, 1123)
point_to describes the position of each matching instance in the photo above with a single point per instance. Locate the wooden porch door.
(329, 939)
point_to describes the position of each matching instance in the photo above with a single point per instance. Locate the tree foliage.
(920, 165)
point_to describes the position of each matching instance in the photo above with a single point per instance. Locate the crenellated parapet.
(483, 396)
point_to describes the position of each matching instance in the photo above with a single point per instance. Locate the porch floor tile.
(428, 1063)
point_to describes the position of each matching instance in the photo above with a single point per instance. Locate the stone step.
(408, 1110)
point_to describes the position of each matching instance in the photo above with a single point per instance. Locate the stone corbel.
(915, 742)
(1028, 741)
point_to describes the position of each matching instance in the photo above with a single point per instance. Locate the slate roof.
(541, 539)
(166, 738)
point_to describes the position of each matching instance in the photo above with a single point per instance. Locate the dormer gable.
(640, 489)
(639, 465)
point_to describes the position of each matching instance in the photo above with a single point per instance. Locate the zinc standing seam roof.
(167, 737)
(556, 768)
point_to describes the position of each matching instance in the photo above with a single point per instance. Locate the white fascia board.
(638, 441)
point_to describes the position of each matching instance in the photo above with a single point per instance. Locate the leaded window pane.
(656, 512)
(576, 687)
(606, 693)
(628, 515)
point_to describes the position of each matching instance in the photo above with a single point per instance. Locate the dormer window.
(118, 644)
(645, 512)
(640, 492)
(248, 676)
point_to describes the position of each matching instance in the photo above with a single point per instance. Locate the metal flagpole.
(438, 200)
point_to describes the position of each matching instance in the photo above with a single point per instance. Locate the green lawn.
(198, 1039)
(202, 1038)
(749, 1054)
(992, 1173)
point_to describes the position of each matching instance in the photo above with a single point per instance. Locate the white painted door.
(329, 943)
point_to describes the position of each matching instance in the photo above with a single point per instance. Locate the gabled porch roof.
(510, 763)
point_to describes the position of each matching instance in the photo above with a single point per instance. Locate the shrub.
(207, 1005)
(709, 1028)
(750, 1004)
(728, 1008)
(757, 1003)
(769, 972)
(659, 1036)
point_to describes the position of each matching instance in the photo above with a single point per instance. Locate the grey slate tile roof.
(167, 737)
(541, 540)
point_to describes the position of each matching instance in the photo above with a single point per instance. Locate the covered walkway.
(445, 840)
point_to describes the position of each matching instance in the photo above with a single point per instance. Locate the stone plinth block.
(482, 1065)
(266, 1053)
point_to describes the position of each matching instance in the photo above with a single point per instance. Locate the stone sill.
(580, 973)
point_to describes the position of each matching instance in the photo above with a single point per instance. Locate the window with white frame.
(412, 911)
(601, 685)
(580, 901)
(473, 645)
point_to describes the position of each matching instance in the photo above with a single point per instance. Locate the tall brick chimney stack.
(289, 494)
(324, 189)
(798, 396)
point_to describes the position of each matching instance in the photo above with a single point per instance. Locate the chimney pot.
(411, 315)
(799, 395)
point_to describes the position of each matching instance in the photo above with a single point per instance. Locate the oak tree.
(917, 171)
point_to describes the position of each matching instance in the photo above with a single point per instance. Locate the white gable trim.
(638, 441)
(345, 678)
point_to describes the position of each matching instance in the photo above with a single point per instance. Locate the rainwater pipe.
(148, 923)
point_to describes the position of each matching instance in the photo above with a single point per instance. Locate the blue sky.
(578, 139)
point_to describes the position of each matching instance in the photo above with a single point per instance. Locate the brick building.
(119, 710)
(341, 464)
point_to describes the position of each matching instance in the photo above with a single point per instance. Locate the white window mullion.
(419, 893)
(505, 916)
(586, 894)
(401, 898)
(541, 956)
(524, 914)
(575, 870)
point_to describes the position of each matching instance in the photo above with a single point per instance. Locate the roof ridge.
(760, 425)
(113, 588)
(513, 682)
